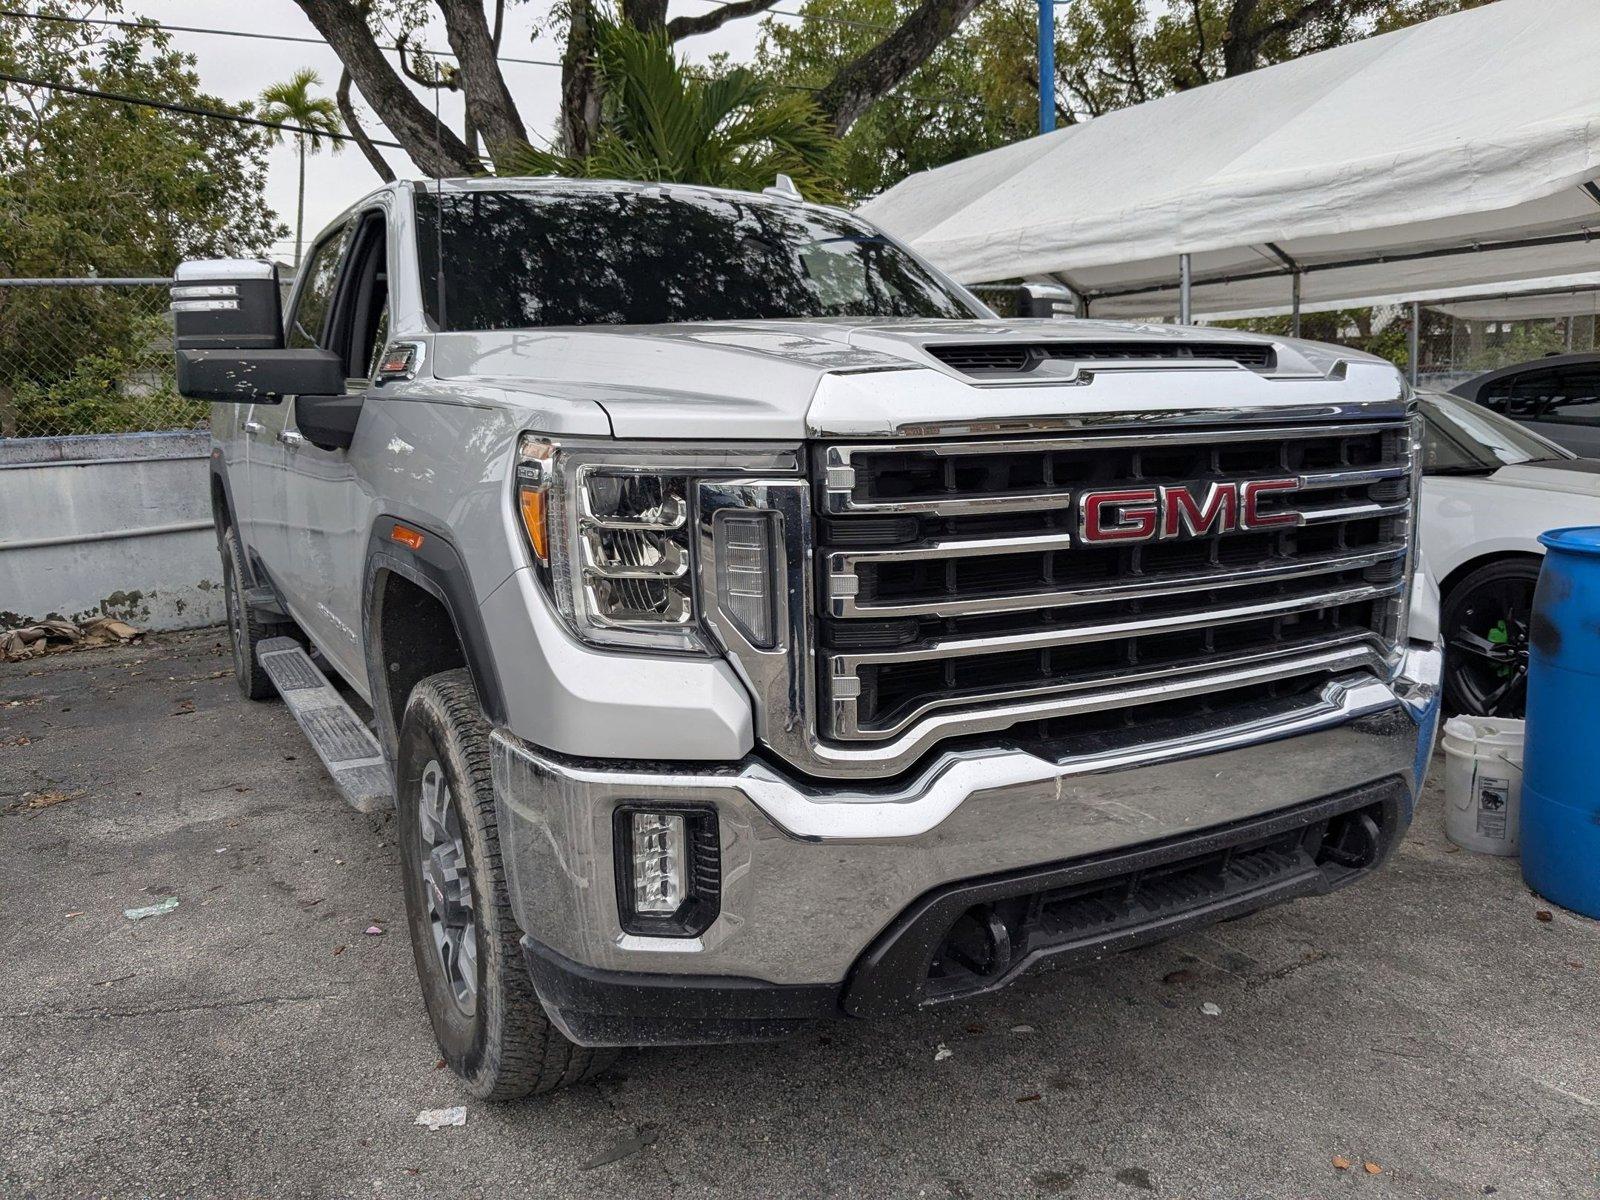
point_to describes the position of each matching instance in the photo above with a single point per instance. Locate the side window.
(1566, 395)
(321, 267)
(359, 324)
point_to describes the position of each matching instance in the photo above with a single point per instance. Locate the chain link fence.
(89, 356)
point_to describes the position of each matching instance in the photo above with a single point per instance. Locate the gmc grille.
(954, 577)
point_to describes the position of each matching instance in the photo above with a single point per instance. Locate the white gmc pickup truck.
(756, 631)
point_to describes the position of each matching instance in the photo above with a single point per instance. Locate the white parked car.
(1490, 487)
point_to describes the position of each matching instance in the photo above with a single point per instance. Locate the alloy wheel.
(447, 887)
(1488, 645)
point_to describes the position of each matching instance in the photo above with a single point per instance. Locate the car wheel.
(486, 1016)
(245, 627)
(1486, 618)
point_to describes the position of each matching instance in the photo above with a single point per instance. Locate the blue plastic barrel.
(1561, 758)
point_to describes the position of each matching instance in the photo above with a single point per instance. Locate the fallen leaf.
(1543, 915)
(338, 950)
(974, 1028)
(439, 1066)
(1029, 1098)
(1341, 1163)
(1372, 1168)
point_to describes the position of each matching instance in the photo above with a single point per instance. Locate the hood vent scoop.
(994, 359)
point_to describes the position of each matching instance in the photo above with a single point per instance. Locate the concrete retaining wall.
(112, 524)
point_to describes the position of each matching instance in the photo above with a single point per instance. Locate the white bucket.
(1483, 783)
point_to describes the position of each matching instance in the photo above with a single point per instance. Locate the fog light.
(660, 861)
(669, 870)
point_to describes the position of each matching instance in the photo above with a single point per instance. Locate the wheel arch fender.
(436, 569)
(1483, 558)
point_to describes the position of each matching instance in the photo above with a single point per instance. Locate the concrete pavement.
(254, 1041)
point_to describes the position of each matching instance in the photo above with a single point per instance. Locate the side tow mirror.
(227, 304)
(258, 376)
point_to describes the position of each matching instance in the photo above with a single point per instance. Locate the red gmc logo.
(1142, 514)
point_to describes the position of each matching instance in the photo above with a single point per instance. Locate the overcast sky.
(239, 68)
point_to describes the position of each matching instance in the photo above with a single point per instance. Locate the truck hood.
(1573, 476)
(849, 378)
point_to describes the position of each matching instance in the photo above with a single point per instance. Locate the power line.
(192, 110)
(284, 37)
(238, 33)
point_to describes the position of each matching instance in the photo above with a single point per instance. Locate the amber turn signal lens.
(406, 536)
(533, 507)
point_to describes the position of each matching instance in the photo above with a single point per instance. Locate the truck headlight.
(613, 529)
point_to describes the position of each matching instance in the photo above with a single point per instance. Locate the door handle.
(253, 427)
(290, 438)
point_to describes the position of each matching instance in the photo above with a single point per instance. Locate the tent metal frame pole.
(1528, 243)
(1414, 343)
(1185, 286)
(1294, 324)
(1047, 65)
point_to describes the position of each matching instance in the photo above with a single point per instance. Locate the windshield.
(519, 259)
(1465, 438)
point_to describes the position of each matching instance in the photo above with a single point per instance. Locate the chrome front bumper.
(814, 870)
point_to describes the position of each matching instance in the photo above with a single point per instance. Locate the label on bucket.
(1492, 808)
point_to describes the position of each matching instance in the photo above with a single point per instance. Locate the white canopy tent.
(1459, 153)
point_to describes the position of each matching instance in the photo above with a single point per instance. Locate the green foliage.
(293, 102)
(973, 94)
(92, 187)
(660, 122)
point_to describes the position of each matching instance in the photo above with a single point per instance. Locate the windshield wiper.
(1463, 469)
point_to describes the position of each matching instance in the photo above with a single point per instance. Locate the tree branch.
(865, 78)
(494, 112)
(347, 110)
(683, 27)
(435, 150)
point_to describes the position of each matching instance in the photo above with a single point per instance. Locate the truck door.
(262, 523)
(329, 504)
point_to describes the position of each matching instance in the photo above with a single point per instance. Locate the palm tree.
(292, 103)
(659, 122)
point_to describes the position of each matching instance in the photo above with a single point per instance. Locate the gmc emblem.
(1142, 514)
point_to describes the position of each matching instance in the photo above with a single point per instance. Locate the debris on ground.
(942, 1053)
(1341, 1163)
(1372, 1168)
(374, 930)
(1544, 916)
(53, 636)
(1210, 1009)
(164, 905)
(33, 802)
(1022, 1029)
(625, 1148)
(439, 1118)
(1181, 975)
(1029, 1098)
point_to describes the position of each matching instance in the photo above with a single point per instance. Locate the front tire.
(486, 1016)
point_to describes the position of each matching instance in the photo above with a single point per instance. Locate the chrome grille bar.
(1124, 689)
(844, 599)
(1077, 635)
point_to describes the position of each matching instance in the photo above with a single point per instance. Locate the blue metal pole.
(1047, 65)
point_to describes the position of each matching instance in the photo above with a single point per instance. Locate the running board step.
(345, 745)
